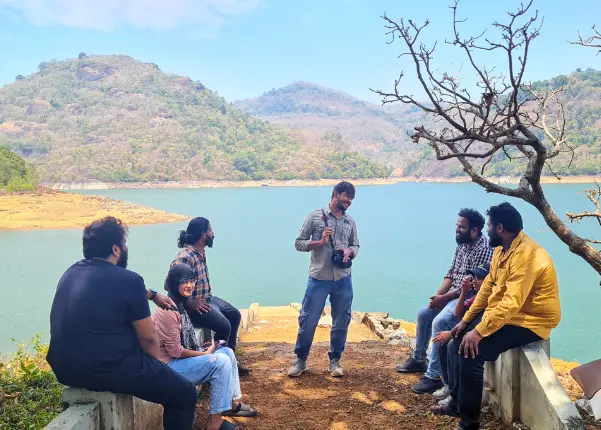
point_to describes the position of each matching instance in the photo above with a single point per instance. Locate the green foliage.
(15, 174)
(30, 395)
(112, 118)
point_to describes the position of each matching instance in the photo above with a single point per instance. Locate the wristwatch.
(153, 294)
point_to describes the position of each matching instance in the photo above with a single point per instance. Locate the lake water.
(407, 244)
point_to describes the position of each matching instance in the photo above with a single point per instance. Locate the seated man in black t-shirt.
(101, 333)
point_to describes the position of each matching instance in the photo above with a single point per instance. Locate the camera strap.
(325, 220)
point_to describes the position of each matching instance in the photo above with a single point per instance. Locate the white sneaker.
(442, 393)
(446, 401)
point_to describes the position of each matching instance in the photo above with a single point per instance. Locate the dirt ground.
(372, 395)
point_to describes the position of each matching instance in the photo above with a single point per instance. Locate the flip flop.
(242, 410)
(226, 425)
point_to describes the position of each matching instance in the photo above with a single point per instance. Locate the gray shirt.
(345, 236)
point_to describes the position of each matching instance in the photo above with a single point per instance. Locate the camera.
(337, 260)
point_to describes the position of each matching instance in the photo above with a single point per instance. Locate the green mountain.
(112, 118)
(381, 132)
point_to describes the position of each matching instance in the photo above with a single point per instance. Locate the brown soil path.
(371, 395)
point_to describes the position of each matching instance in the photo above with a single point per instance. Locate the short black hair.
(344, 187)
(100, 236)
(506, 215)
(196, 227)
(474, 218)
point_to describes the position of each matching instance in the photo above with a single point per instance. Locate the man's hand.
(199, 305)
(437, 302)
(458, 329)
(442, 337)
(165, 302)
(327, 232)
(469, 344)
(467, 284)
(348, 253)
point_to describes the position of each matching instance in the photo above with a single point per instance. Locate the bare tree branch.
(593, 41)
(510, 119)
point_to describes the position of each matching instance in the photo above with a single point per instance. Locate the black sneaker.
(412, 366)
(427, 386)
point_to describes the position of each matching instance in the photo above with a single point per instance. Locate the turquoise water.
(407, 243)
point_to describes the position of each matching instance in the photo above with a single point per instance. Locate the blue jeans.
(220, 369)
(341, 299)
(430, 322)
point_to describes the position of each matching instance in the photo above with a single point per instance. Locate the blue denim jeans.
(430, 322)
(341, 299)
(220, 369)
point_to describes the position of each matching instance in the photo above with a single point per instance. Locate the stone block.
(521, 386)
(325, 321)
(77, 417)
(253, 311)
(118, 411)
(244, 319)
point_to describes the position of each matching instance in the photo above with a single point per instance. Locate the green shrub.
(30, 395)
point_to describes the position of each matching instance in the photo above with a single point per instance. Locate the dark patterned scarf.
(177, 274)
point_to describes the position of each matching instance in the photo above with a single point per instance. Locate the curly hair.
(474, 218)
(100, 236)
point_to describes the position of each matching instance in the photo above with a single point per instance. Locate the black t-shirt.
(91, 329)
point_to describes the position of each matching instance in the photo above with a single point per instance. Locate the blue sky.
(242, 48)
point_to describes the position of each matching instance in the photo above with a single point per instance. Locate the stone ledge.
(118, 411)
(77, 417)
(521, 386)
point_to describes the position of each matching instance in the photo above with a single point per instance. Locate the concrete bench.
(89, 410)
(521, 386)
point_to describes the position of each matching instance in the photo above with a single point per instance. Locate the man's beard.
(341, 205)
(494, 239)
(210, 241)
(123, 259)
(463, 238)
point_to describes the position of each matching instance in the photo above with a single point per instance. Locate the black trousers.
(468, 392)
(144, 377)
(223, 319)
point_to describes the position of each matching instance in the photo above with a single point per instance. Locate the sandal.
(242, 410)
(445, 409)
(226, 425)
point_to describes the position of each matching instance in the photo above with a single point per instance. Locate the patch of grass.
(30, 395)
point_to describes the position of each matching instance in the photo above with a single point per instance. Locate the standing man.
(102, 337)
(517, 304)
(205, 309)
(472, 251)
(330, 234)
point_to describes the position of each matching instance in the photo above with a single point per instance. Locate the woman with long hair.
(180, 350)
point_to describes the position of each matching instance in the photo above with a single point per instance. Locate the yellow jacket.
(521, 289)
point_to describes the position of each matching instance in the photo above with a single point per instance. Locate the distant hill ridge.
(381, 132)
(116, 119)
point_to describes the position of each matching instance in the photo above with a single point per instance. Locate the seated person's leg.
(213, 320)
(152, 380)
(236, 391)
(471, 380)
(233, 316)
(417, 363)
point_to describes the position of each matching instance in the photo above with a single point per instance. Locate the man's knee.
(425, 316)
(234, 316)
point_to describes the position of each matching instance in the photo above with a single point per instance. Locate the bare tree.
(507, 118)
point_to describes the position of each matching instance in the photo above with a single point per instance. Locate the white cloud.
(203, 17)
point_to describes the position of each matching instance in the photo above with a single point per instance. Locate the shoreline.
(51, 209)
(65, 186)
